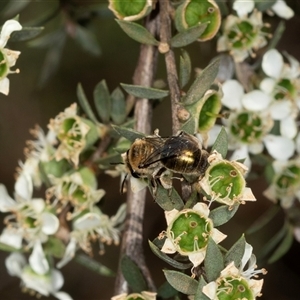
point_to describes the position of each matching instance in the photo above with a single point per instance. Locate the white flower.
(237, 282)
(242, 35)
(194, 229)
(250, 122)
(30, 220)
(283, 86)
(8, 57)
(74, 133)
(244, 7)
(46, 284)
(93, 226)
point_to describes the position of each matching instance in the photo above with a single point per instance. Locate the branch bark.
(133, 234)
(165, 38)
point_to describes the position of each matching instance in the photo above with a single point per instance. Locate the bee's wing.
(155, 156)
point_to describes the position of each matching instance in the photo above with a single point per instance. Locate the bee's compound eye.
(135, 174)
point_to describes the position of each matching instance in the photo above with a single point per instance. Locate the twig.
(133, 234)
(165, 37)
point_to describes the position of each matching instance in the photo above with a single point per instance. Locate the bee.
(156, 158)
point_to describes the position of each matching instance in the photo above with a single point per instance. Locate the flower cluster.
(54, 159)
(245, 33)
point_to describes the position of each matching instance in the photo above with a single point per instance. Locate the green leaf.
(13, 7)
(202, 83)
(133, 275)
(93, 265)
(85, 104)
(138, 33)
(264, 219)
(167, 199)
(271, 244)
(223, 214)
(118, 106)
(144, 92)
(87, 40)
(284, 245)
(236, 252)
(102, 101)
(190, 126)
(167, 259)
(25, 34)
(199, 294)
(166, 291)
(185, 68)
(213, 262)
(128, 133)
(221, 143)
(181, 282)
(188, 36)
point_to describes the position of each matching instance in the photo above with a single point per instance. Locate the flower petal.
(288, 127)
(243, 7)
(8, 27)
(197, 257)
(38, 261)
(256, 100)
(168, 247)
(50, 223)
(233, 93)
(267, 85)
(24, 187)
(282, 10)
(11, 237)
(280, 109)
(4, 86)
(6, 202)
(279, 147)
(69, 253)
(272, 63)
(15, 263)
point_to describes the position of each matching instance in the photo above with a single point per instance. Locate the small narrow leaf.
(25, 34)
(188, 36)
(102, 101)
(185, 69)
(133, 275)
(223, 214)
(181, 282)
(169, 260)
(213, 262)
(264, 219)
(236, 252)
(166, 291)
(7, 248)
(118, 106)
(199, 294)
(93, 265)
(144, 92)
(128, 133)
(84, 103)
(87, 40)
(221, 143)
(271, 244)
(138, 32)
(202, 83)
(167, 199)
(284, 245)
(54, 247)
(276, 35)
(190, 126)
